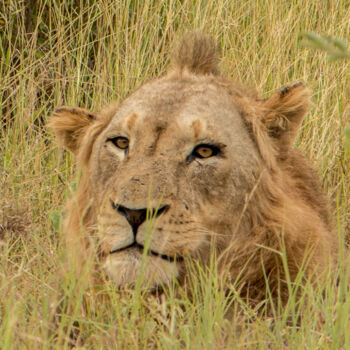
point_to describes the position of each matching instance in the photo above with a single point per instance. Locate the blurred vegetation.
(336, 49)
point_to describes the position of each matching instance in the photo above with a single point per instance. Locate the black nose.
(136, 217)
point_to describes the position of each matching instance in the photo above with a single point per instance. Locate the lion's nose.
(136, 217)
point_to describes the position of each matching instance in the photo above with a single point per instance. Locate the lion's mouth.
(150, 252)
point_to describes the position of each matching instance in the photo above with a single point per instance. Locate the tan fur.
(196, 125)
(253, 199)
(131, 121)
(196, 54)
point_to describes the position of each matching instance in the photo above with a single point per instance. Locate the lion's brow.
(197, 128)
(131, 121)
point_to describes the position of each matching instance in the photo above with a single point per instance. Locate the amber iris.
(121, 142)
(205, 151)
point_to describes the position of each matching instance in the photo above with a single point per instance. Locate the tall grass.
(88, 53)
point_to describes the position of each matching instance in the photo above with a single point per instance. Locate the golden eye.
(205, 151)
(121, 142)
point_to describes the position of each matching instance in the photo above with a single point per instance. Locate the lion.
(191, 163)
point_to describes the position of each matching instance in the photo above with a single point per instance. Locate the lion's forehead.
(181, 108)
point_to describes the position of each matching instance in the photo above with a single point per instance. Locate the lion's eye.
(120, 142)
(205, 151)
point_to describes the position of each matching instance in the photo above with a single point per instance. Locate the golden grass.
(89, 53)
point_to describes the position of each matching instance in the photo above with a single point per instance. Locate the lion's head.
(191, 163)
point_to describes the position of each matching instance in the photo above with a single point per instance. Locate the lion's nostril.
(136, 217)
(156, 213)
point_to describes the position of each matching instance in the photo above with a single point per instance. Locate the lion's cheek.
(211, 183)
(103, 170)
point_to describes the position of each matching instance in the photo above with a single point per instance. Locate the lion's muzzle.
(135, 217)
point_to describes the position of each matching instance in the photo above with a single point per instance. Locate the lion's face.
(188, 164)
(172, 151)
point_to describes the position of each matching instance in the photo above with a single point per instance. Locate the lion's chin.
(127, 267)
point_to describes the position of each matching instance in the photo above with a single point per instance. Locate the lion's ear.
(284, 112)
(70, 124)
